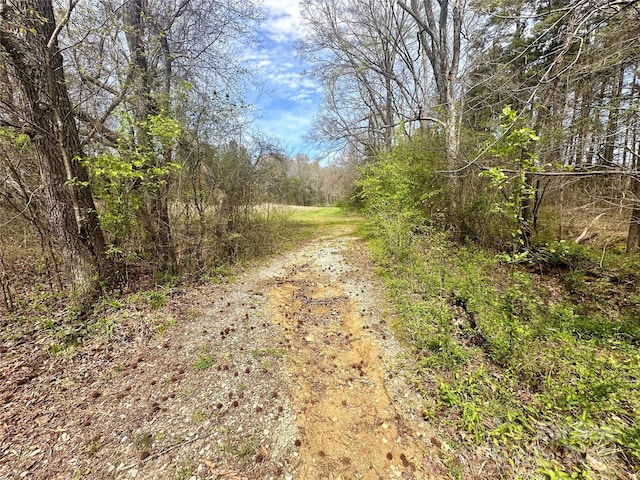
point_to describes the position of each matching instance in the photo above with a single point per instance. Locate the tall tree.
(33, 64)
(162, 65)
(363, 52)
(440, 33)
(154, 209)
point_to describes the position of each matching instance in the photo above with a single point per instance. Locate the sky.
(289, 101)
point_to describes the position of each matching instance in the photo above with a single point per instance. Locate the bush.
(397, 191)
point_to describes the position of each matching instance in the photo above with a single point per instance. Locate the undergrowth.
(135, 307)
(527, 371)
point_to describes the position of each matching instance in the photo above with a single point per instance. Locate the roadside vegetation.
(138, 168)
(499, 172)
(39, 313)
(526, 354)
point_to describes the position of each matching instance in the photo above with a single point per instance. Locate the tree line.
(524, 104)
(124, 139)
(124, 136)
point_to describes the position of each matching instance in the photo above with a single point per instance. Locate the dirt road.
(349, 424)
(288, 372)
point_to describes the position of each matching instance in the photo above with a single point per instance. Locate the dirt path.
(349, 427)
(289, 372)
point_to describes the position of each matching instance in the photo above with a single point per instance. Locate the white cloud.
(282, 22)
(290, 80)
(263, 64)
(293, 85)
(287, 100)
(303, 97)
(288, 126)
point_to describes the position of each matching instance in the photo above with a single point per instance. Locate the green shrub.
(396, 190)
(525, 369)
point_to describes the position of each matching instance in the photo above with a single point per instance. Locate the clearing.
(287, 371)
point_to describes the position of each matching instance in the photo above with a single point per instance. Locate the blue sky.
(289, 100)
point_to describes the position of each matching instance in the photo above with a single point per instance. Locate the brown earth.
(290, 371)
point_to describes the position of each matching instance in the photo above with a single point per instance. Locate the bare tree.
(440, 33)
(157, 59)
(365, 54)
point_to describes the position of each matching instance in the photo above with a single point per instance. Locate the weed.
(204, 362)
(104, 326)
(198, 416)
(184, 471)
(166, 325)
(454, 467)
(156, 299)
(144, 440)
(193, 313)
(94, 447)
(67, 348)
(80, 473)
(268, 352)
(560, 374)
(554, 471)
(221, 274)
(628, 438)
(114, 303)
(243, 450)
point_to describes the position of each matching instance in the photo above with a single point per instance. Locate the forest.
(119, 156)
(493, 147)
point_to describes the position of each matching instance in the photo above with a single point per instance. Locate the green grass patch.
(540, 370)
(204, 362)
(312, 219)
(268, 352)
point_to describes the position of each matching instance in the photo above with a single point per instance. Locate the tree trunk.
(584, 120)
(34, 56)
(633, 238)
(440, 37)
(612, 121)
(154, 212)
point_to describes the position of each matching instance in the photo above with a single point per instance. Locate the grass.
(144, 440)
(184, 470)
(204, 362)
(541, 370)
(198, 416)
(268, 352)
(310, 220)
(241, 450)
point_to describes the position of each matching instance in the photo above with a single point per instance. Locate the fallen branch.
(583, 236)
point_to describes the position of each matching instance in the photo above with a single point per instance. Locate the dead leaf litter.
(288, 372)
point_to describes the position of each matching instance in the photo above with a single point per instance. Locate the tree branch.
(99, 128)
(54, 36)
